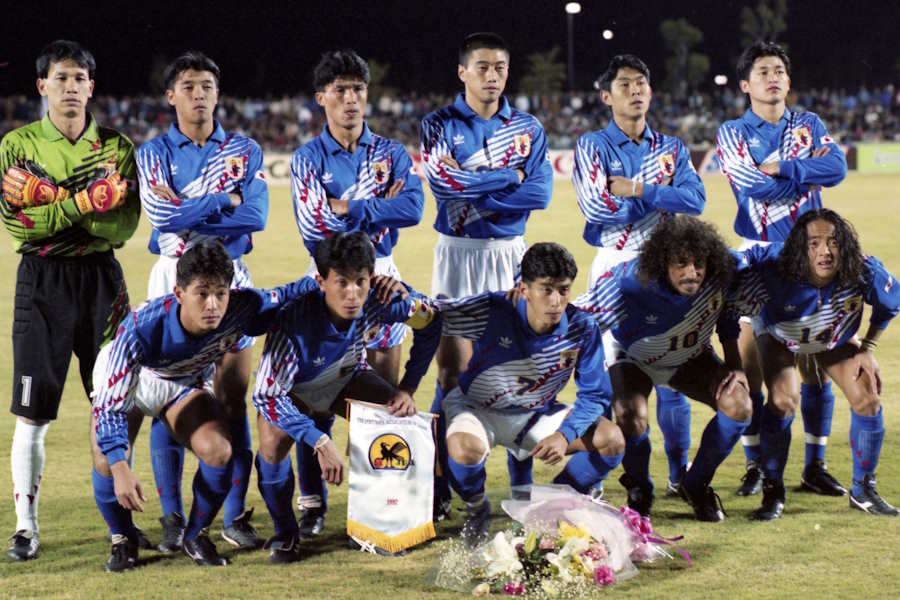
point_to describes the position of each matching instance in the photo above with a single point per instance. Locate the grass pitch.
(819, 548)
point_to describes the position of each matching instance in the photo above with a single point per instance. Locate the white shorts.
(389, 335)
(614, 353)
(470, 266)
(153, 395)
(746, 244)
(517, 431)
(605, 260)
(162, 282)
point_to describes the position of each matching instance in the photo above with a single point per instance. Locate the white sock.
(27, 459)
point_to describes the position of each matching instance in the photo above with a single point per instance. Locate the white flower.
(500, 557)
(563, 560)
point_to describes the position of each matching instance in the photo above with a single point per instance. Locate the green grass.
(817, 549)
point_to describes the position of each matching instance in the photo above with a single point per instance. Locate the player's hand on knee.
(394, 190)
(730, 383)
(128, 489)
(386, 286)
(402, 404)
(551, 449)
(106, 192)
(867, 365)
(331, 463)
(450, 162)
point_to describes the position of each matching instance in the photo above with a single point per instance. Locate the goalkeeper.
(68, 199)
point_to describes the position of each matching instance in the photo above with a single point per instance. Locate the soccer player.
(315, 358)
(661, 311)
(350, 179)
(627, 178)
(809, 295)
(776, 161)
(488, 167)
(199, 182)
(162, 360)
(524, 352)
(68, 204)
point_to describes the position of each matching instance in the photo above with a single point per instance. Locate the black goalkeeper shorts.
(62, 305)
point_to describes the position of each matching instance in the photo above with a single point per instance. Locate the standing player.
(67, 205)
(811, 292)
(776, 161)
(660, 311)
(488, 167)
(350, 179)
(523, 355)
(162, 361)
(627, 178)
(315, 358)
(199, 182)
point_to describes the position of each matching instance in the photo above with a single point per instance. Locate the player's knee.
(212, 450)
(864, 402)
(274, 445)
(631, 417)
(784, 401)
(466, 448)
(737, 404)
(608, 439)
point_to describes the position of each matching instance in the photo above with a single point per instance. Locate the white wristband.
(633, 188)
(322, 441)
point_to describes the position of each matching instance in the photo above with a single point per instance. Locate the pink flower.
(598, 551)
(511, 588)
(547, 543)
(640, 526)
(604, 576)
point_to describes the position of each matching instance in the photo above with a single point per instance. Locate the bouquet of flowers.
(563, 544)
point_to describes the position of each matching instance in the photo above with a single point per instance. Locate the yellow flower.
(568, 531)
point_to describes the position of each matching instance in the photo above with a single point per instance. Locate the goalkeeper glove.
(30, 185)
(105, 192)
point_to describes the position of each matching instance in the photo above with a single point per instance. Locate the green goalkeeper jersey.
(59, 229)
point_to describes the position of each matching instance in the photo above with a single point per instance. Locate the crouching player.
(162, 361)
(809, 295)
(313, 360)
(523, 355)
(660, 312)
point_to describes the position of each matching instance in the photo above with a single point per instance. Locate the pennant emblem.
(389, 451)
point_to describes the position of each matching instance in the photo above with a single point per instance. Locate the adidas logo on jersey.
(789, 308)
(754, 142)
(327, 177)
(615, 165)
(505, 342)
(459, 139)
(319, 361)
(651, 319)
(173, 168)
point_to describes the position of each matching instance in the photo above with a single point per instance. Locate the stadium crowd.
(286, 123)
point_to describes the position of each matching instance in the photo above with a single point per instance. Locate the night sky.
(269, 49)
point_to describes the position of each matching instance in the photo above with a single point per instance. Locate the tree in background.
(766, 21)
(684, 67)
(543, 73)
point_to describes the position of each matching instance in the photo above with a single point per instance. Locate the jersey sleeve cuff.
(311, 436)
(115, 455)
(356, 209)
(651, 190)
(568, 432)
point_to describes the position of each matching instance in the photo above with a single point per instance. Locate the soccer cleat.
(241, 533)
(142, 541)
(283, 549)
(706, 503)
(123, 554)
(478, 521)
(640, 497)
(870, 502)
(202, 551)
(441, 510)
(173, 533)
(673, 487)
(751, 482)
(23, 545)
(816, 478)
(772, 501)
(311, 522)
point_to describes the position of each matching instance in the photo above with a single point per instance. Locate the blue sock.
(276, 485)
(442, 473)
(242, 456)
(636, 461)
(866, 435)
(775, 443)
(167, 458)
(673, 414)
(817, 407)
(117, 518)
(750, 437)
(211, 485)
(586, 469)
(719, 437)
(309, 473)
(467, 480)
(520, 474)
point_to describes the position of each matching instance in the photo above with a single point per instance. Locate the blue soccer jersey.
(202, 178)
(306, 353)
(515, 370)
(483, 198)
(624, 223)
(153, 338)
(808, 319)
(657, 326)
(322, 168)
(768, 205)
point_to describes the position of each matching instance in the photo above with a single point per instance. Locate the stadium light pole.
(572, 9)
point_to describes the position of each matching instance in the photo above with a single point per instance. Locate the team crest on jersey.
(371, 333)
(567, 358)
(390, 452)
(380, 170)
(853, 304)
(715, 301)
(234, 167)
(522, 144)
(667, 165)
(802, 136)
